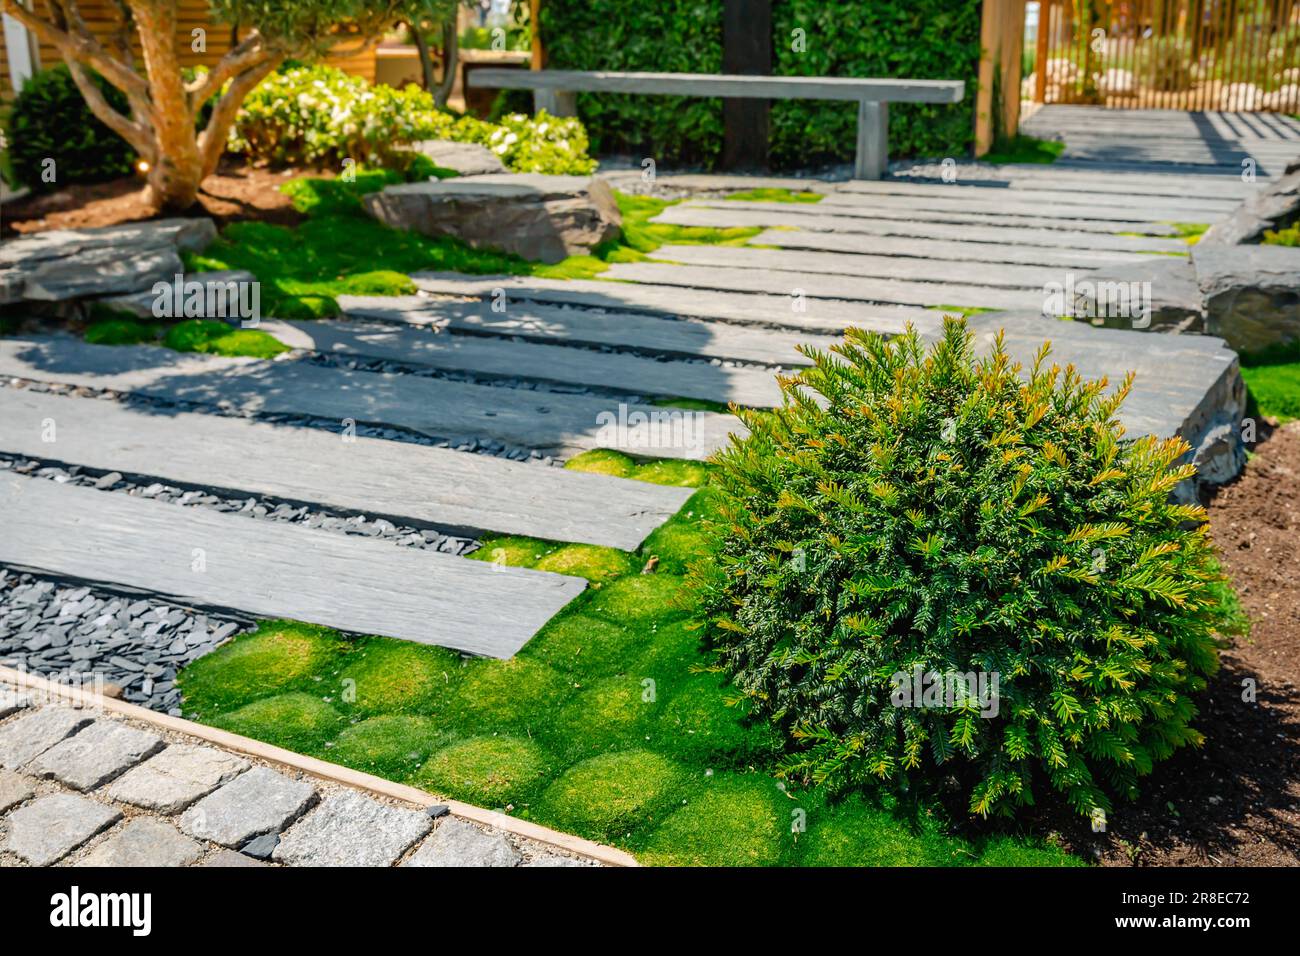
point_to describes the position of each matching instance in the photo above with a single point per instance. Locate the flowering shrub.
(913, 521)
(318, 115)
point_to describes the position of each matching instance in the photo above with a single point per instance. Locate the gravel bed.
(478, 445)
(62, 631)
(269, 509)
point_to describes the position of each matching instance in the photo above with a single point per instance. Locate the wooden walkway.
(562, 367)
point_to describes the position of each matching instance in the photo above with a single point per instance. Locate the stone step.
(1132, 215)
(1062, 238)
(999, 275)
(822, 286)
(537, 322)
(1049, 198)
(820, 315)
(481, 355)
(549, 421)
(403, 482)
(233, 562)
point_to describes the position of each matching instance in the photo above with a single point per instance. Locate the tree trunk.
(426, 59)
(450, 56)
(175, 175)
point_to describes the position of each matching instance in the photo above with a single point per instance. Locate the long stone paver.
(30, 735)
(195, 803)
(95, 755)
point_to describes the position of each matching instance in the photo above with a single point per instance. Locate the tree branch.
(136, 135)
(79, 46)
(212, 141)
(250, 52)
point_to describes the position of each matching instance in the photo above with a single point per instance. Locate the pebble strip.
(268, 509)
(163, 798)
(79, 633)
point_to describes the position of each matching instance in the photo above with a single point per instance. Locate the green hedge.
(922, 39)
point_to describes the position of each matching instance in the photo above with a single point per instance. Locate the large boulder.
(1275, 206)
(1159, 293)
(537, 217)
(1251, 293)
(65, 264)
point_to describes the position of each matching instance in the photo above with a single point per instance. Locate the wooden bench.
(555, 91)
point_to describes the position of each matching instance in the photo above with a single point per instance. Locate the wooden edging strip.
(320, 768)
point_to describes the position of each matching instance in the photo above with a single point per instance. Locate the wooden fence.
(1169, 54)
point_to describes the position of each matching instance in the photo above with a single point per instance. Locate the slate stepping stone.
(47, 830)
(457, 843)
(348, 829)
(30, 736)
(11, 701)
(259, 801)
(144, 842)
(104, 750)
(171, 781)
(14, 789)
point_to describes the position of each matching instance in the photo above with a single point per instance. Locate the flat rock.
(175, 778)
(457, 843)
(96, 755)
(188, 234)
(349, 829)
(142, 303)
(259, 801)
(144, 841)
(535, 216)
(1161, 292)
(466, 159)
(30, 736)
(1252, 293)
(1275, 206)
(48, 829)
(14, 789)
(100, 272)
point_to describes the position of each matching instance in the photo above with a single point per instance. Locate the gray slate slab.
(14, 789)
(12, 701)
(591, 326)
(556, 363)
(1001, 275)
(230, 858)
(257, 802)
(565, 424)
(95, 755)
(820, 315)
(457, 843)
(31, 735)
(942, 251)
(400, 480)
(1252, 293)
(685, 214)
(823, 286)
(174, 779)
(349, 829)
(49, 828)
(467, 159)
(1135, 214)
(142, 842)
(274, 569)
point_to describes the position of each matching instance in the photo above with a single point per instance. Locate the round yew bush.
(911, 513)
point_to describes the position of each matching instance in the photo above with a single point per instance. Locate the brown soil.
(235, 193)
(1235, 801)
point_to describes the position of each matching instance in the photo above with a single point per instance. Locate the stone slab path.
(229, 561)
(91, 788)
(412, 484)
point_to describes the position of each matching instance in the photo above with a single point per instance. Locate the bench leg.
(873, 140)
(555, 102)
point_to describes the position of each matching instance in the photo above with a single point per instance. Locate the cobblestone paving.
(81, 787)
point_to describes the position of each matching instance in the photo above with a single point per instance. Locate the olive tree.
(142, 58)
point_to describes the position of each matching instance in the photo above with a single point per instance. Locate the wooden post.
(872, 157)
(746, 48)
(1002, 31)
(1040, 51)
(535, 25)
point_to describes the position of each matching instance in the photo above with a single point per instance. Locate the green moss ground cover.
(772, 194)
(1273, 377)
(608, 724)
(1024, 149)
(192, 335)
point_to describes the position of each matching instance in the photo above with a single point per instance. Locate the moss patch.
(769, 194)
(518, 692)
(388, 677)
(683, 474)
(734, 821)
(836, 833)
(392, 746)
(121, 332)
(614, 793)
(296, 721)
(277, 655)
(489, 771)
(512, 550)
(681, 539)
(612, 712)
(585, 645)
(602, 461)
(590, 561)
(218, 338)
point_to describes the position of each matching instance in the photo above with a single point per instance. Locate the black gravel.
(69, 633)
